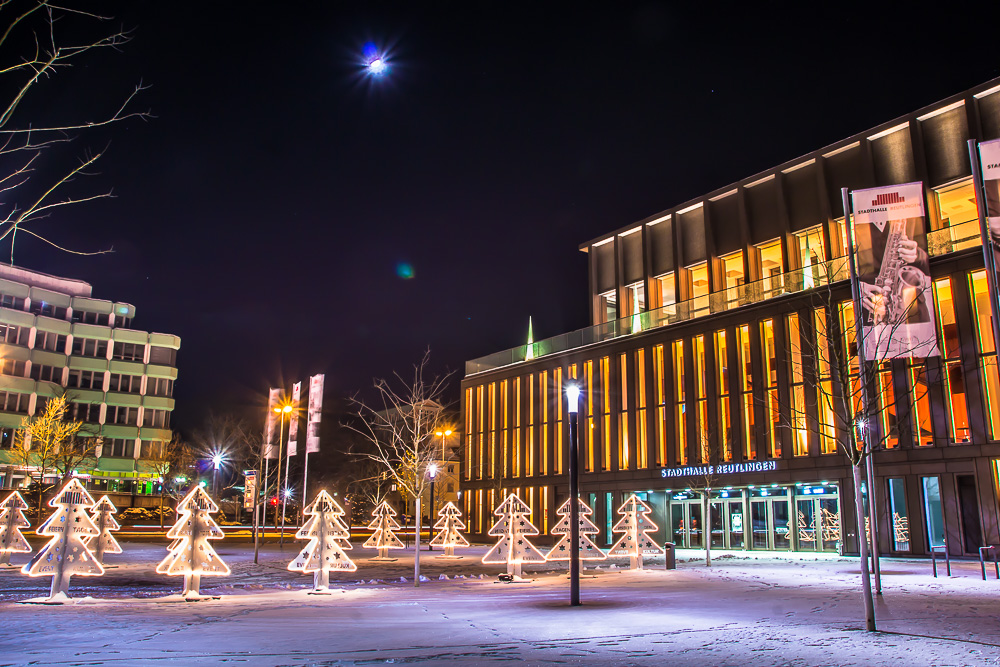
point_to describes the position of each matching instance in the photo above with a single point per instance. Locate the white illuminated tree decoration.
(66, 553)
(450, 525)
(635, 543)
(328, 538)
(104, 542)
(12, 520)
(562, 549)
(513, 529)
(383, 538)
(191, 555)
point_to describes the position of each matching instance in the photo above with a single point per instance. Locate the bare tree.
(39, 40)
(49, 441)
(825, 358)
(171, 460)
(399, 429)
(371, 486)
(705, 480)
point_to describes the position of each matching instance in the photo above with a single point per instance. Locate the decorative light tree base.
(57, 599)
(384, 557)
(449, 554)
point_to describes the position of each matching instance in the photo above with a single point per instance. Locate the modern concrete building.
(700, 315)
(55, 337)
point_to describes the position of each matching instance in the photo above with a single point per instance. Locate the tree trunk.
(866, 579)
(416, 546)
(706, 527)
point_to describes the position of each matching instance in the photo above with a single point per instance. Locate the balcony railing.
(952, 239)
(732, 298)
(940, 242)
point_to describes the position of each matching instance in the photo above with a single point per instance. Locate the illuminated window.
(824, 396)
(666, 292)
(796, 380)
(698, 289)
(887, 406)
(560, 399)
(811, 255)
(847, 325)
(954, 375)
(515, 445)
(607, 306)
(505, 432)
(605, 371)
(493, 429)
(986, 348)
(588, 373)
(641, 437)
(480, 417)
(659, 379)
(470, 410)
(746, 393)
(722, 387)
(623, 444)
(732, 269)
(529, 432)
(543, 405)
(705, 437)
(772, 266)
(680, 412)
(920, 405)
(771, 388)
(635, 299)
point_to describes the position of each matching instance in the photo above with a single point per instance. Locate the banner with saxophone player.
(893, 273)
(989, 153)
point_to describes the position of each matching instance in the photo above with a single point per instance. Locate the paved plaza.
(761, 610)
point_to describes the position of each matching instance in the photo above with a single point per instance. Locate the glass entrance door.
(686, 522)
(770, 515)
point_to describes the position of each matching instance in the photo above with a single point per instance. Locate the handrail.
(800, 280)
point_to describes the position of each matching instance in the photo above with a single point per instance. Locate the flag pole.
(865, 398)
(989, 255)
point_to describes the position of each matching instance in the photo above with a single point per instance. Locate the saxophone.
(901, 284)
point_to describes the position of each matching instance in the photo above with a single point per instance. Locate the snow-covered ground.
(761, 610)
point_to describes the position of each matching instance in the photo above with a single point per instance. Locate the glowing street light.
(377, 67)
(431, 472)
(573, 406)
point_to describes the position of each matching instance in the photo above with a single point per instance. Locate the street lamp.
(217, 459)
(573, 405)
(432, 472)
(283, 412)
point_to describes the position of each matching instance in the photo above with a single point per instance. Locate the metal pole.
(305, 477)
(430, 512)
(574, 512)
(989, 257)
(865, 399)
(876, 566)
(284, 495)
(277, 482)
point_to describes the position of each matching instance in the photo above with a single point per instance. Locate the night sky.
(268, 213)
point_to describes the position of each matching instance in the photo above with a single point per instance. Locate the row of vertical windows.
(797, 408)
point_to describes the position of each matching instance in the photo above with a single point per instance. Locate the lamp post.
(432, 471)
(573, 399)
(282, 411)
(217, 459)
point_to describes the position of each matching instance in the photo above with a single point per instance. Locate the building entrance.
(773, 518)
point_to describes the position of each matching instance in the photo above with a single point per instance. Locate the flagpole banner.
(293, 421)
(894, 273)
(315, 411)
(989, 156)
(270, 451)
(249, 489)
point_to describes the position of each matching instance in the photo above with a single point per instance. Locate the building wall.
(55, 337)
(719, 363)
